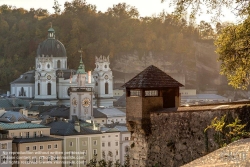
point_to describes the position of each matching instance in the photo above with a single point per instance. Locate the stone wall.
(178, 137)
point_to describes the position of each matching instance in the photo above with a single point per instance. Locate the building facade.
(51, 78)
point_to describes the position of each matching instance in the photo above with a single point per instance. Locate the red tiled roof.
(152, 77)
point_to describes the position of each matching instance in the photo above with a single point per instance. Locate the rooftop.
(35, 139)
(152, 77)
(7, 126)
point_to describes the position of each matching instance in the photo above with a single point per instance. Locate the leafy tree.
(233, 49)
(226, 132)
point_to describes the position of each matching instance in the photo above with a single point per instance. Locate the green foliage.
(108, 163)
(119, 31)
(226, 132)
(233, 49)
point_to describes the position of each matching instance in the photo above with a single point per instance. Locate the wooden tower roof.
(152, 77)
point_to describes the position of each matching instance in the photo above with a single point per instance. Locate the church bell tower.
(81, 97)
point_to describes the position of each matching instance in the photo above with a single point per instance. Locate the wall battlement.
(176, 135)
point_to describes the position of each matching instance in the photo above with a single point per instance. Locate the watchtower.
(150, 90)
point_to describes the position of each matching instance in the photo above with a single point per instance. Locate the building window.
(38, 88)
(70, 163)
(34, 134)
(84, 152)
(12, 134)
(49, 89)
(55, 146)
(4, 146)
(116, 143)
(49, 158)
(27, 148)
(103, 136)
(116, 135)
(55, 157)
(34, 147)
(27, 161)
(109, 144)
(116, 152)
(49, 146)
(84, 143)
(135, 93)
(41, 159)
(95, 142)
(34, 159)
(58, 64)
(95, 151)
(106, 88)
(102, 120)
(27, 134)
(41, 147)
(48, 65)
(151, 93)
(126, 138)
(3, 159)
(126, 149)
(103, 144)
(41, 133)
(84, 162)
(71, 144)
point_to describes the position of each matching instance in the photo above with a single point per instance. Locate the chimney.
(89, 76)
(77, 126)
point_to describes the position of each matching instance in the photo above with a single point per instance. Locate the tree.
(233, 47)
(56, 7)
(212, 7)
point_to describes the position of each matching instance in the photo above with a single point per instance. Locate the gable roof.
(152, 77)
(27, 77)
(63, 128)
(6, 126)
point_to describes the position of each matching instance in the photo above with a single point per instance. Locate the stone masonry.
(175, 136)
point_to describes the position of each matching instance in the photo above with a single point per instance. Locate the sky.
(145, 7)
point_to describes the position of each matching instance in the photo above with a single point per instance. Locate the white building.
(51, 78)
(5, 149)
(115, 142)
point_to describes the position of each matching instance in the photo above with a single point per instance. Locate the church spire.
(81, 68)
(51, 32)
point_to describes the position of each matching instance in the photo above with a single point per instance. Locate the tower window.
(58, 64)
(48, 65)
(38, 88)
(49, 89)
(106, 88)
(105, 66)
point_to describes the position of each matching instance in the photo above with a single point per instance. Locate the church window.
(58, 64)
(96, 84)
(48, 65)
(49, 89)
(106, 88)
(105, 66)
(38, 88)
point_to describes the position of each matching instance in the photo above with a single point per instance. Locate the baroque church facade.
(51, 79)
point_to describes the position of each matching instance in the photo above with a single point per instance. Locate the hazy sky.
(145, 7)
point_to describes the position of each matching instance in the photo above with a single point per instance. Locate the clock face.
(86, 102)
(74, 102)
(106, 77)
(48, 77)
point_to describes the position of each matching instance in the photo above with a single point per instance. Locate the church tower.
(103, 82)
(81, 97)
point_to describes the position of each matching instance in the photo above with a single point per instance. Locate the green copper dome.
(51, 46)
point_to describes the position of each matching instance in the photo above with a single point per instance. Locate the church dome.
(51, 46)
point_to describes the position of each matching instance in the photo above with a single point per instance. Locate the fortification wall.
(177, 138)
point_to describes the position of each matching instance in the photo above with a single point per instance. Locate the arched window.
(65, 65)
(48, 65)
(49, 88)
(38, 88)
(58, 64)
(106, 88)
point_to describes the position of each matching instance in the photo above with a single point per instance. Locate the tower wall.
(178, 137)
